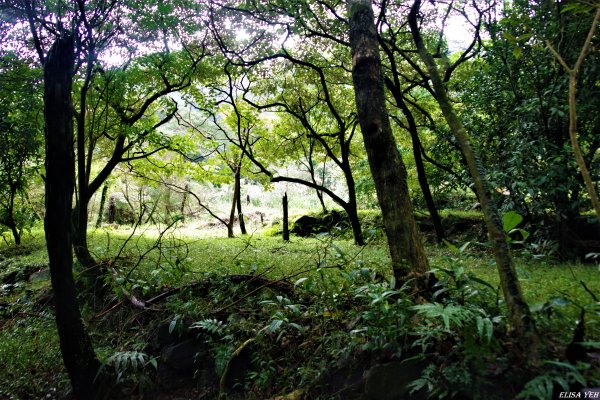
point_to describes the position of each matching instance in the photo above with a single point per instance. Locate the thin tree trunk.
(521, 319)
(238, 183)
(286, 227)
(231, 221)
(388, 170)
(80, 245)
(102, 202)
(421, 175)
(75, 344)
(15, 233)
(11, 216)
(352, 209)
(184, 197)
(573, 72)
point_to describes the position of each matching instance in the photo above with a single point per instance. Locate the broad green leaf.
(510, 220)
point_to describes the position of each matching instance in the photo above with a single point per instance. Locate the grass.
(28, 342)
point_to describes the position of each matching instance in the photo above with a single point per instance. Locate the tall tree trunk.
(102, 202)
(238, 183)
(75, 344)
(520, 316)
(421, 175)
(388, 170)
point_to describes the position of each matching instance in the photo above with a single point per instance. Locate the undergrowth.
(339, 314)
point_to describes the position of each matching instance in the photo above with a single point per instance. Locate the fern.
(211, 325)
(541, 387)
(128, 364)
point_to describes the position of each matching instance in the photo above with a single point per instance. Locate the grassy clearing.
(28, 341)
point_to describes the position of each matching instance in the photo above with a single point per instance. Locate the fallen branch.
(262, 283)
(236, 354)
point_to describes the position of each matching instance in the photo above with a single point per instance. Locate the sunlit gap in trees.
(458, 24)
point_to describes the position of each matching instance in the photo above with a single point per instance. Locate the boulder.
(390, 381)
(308, 225)
(183, 364)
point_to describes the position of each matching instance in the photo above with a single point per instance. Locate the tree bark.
(521, 320)
(75, 344)
(573, 72)
(234, 200)
(80, 245)
(10, 218)
(421, 175)
(238, 183)
(286, 227)
(388, 170)
(352, 208)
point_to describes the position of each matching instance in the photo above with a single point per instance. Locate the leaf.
(275, 325)
(464, 247)
(517, 52)
(482, 282)
(300, 281)
(451, 246)
(523, 232)
(300, 328)
(525, 37)
(509, 37)
(173, 324)
(510, 220)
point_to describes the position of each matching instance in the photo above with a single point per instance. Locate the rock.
(184, 356)
(163, 336)
(41, 275)
(183, 363)
(390, 381)
(308, 225)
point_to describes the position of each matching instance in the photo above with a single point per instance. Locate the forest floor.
(302, 319)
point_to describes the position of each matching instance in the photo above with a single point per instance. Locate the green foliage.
(27, 373)
(132, 368)
(559, 375)
(510, 221)
(21, 138)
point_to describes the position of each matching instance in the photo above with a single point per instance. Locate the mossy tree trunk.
(388, 170)
(520, 316)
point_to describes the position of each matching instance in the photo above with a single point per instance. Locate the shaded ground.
(317, 318)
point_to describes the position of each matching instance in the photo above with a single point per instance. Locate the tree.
(315, 118)
(20, 140)
(522, 322)
(74, 32)
(573, 72)
(309, 92)
(76, 347)
(513, 97)
(389, 173)
(124, 121)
